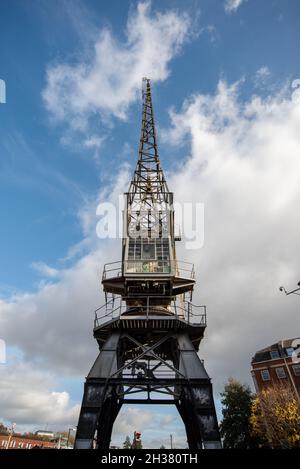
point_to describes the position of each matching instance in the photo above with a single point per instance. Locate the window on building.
(289, 351)
(274, 354)
(254, 381)
(265, 375)
(280, 372)
(296, 369)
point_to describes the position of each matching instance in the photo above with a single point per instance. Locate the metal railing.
(184, 310)
(168, 267)
(112, 270)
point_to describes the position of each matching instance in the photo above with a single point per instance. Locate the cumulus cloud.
(45, 269)
(93, 142)
(262, 76)
(232, 5)
(58, 318)
(131, 420)
(154, 425)
(106, 82)
(263, 72)
(243, 165)
(52, 321)
(54, 325)
(29, 397)
(242, 161)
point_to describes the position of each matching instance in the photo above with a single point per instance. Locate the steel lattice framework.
(148, 199)
(148, 183)
(148, 331)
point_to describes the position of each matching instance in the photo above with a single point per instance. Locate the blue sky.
(61, 146)
(43, 181)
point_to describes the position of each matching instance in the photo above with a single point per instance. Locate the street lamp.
(70, 430)
(292, 291)
(11, 432)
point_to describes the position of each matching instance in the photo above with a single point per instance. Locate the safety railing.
(184, 310)
(166, 267)
(112, 270)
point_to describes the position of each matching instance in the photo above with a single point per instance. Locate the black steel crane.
(148, 331)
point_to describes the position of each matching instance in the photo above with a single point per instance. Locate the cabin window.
(148, 255)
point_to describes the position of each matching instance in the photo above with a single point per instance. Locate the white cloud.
(130, 420)
(211, 31)
(232, 5)
(262, 76)
(93, 142)
(244, 166)
(28, 397)
(263, 72)
(45, 269)
(55, 323)
(154, 424)
(107, 81)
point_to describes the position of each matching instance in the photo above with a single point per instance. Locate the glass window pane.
(289, 351)
(296, 369)
(265, 375)
(280, 372)
(148, 251)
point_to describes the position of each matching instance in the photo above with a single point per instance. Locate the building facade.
(277, 364)
(20, 442)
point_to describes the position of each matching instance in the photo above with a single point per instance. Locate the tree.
(275, 417)
(235, 427)
(127, 443)
(162, 447)
(3, 429)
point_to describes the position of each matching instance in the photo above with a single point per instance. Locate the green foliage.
(3, 429)
(127, 443)
(235, 427)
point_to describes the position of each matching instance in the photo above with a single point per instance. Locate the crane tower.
(148, 331)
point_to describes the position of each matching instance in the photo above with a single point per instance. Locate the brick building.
(277, 364)
(21, 442)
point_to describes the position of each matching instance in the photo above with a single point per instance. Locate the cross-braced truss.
(148, 351)
(149, 201)
(164, 365)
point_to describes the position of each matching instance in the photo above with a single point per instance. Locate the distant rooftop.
(44, 432)
(281, 347)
